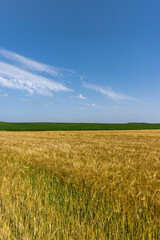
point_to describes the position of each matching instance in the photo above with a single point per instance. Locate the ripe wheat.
(80, 185)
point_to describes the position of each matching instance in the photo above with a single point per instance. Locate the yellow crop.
(80, 185)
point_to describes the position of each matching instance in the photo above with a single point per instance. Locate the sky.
(80, 61)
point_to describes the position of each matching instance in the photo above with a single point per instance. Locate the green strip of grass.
(75, 126)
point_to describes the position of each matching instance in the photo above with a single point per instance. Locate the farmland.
(44, 126)
(75, 185)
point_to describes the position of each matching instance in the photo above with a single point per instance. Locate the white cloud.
(92, 105)
(22, 73)
(17, 78)
(31, 64)
(25, 100)
(4, 95)
(80, 96)
(108, 92)
(81, 78)
(19, 72)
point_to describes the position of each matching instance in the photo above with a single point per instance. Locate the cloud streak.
(31, 64)
(25, 74)
(4, 95)
(16, 78)
(80, 96)
(93, 105)
(108, 92)
(19, 72)
(90, 105)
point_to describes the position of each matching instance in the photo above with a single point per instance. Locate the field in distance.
(80, 185)
(44, 126)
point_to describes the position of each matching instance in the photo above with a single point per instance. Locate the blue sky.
(80, 61)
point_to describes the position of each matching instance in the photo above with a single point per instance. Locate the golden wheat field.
(80, 185)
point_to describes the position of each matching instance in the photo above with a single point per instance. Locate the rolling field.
(72, 185)
(48, 126)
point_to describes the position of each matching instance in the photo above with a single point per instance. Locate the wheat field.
(80, 185)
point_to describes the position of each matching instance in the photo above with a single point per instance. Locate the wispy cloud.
(16, 78)
(80, 96)
(28, 75)
(30, 64)
(4, 95)
(81, 78)
(25, 100)
(90, 105)
(108, 92)
(19, 72)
